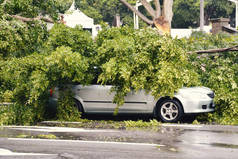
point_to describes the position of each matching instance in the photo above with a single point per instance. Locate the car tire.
(170, 111)
(79, 106)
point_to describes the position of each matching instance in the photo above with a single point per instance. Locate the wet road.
(168, 141)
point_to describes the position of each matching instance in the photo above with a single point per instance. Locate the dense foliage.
(141, 59)
(33, 76)
(67, 110)
(34, 60)
(34, 8)
(75, 38)
(20, 37)
(218, 72)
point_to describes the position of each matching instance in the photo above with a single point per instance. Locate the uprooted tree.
(161, 16)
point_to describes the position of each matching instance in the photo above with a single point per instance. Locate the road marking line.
(6, 152)
(57, 129)
(79, 141)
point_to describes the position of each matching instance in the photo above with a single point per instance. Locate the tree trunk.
(168, 11)
(162, 25)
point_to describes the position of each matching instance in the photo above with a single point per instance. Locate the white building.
(75, 17)
(182, 33)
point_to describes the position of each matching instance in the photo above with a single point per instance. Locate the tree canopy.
(212, 9)
(105, 10)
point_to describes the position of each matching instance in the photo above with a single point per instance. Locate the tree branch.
(158, 9)
(148, 7)
(24, 19)
(144, 18)
(212, 51)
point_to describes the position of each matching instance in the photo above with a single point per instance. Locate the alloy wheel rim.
(169, 111)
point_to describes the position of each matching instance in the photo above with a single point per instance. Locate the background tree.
(213, 9)
(105, 10)
(182, 13)
(218, 8)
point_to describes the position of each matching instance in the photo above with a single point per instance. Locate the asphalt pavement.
(167, 141)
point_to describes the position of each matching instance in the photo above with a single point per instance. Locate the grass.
(40, 136)
(105, 124)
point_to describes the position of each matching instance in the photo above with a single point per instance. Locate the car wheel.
(79, 106)
(170, 111)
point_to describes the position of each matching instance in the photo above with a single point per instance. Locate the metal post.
(201, 15)
(136, 19)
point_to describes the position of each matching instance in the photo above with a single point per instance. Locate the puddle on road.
(168, 148)
(11, 133)
(163, 136)
(211, 131)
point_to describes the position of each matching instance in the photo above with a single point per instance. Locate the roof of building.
(75, 17)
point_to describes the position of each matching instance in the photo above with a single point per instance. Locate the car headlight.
(201, 95)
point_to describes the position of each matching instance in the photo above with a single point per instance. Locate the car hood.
(204, 90)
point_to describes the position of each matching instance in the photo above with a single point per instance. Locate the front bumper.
(197, 105)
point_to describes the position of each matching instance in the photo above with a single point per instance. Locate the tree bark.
(168, 11)
(144, 18)
(148, 7)
(158, 9)
(162, 25)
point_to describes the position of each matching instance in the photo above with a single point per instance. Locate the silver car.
(98, 99)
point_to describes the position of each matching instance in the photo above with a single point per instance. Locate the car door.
(135, 102)
(94, 98)
(99, 98)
